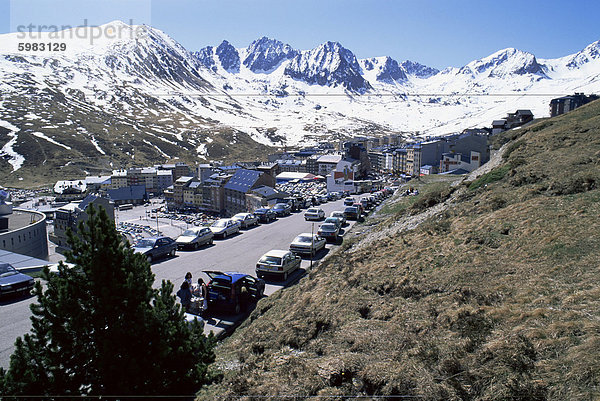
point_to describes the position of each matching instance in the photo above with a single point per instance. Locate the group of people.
(194, 298)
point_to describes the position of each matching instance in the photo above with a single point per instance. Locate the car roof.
(196, 229)
(278, 253)
(152, 238)
(305, 235)
(234, 276)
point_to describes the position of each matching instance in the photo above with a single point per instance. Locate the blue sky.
(438, 33)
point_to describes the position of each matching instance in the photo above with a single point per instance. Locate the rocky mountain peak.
(265, 54)
(329, 64)
(418, 70)
(228, 56)
(590, 53)
(505, 62)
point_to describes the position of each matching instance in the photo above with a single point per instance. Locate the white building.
(341, 179)
(454, 161)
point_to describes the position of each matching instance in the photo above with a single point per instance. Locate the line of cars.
(280, 264)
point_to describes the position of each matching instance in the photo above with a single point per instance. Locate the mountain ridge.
(146, 89)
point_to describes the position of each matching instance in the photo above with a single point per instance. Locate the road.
(236, 253)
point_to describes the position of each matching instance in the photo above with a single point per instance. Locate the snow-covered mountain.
(141, 97)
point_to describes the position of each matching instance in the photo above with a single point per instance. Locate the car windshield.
(189, 233)
(7, 270)
(312, 211)
(270, 260)
(240, 216)
(220, 223)
(145, 243)
(303, 238)
(280, 205)
(351, 210)
(328, 227)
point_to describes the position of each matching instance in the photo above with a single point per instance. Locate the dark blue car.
(265, 215)
(282, 209)
(233, 291)
(12, 282)
(156, 247)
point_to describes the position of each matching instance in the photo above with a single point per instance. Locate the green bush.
(495, 175)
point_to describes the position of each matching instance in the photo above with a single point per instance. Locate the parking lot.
(236, 253)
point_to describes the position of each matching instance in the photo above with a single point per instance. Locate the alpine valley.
(141, 98)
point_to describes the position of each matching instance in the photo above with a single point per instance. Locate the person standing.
(185, 295)
(203, 294)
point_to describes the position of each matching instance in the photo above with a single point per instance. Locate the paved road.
(237, 253)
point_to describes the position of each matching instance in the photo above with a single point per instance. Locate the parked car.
(194, 238)
(225, 227)
(12, 282)
(265, 215)
(334, 220)
(340, 215)
(329, 231)
(293, 202)
(361, 209)
(53, 268)
(277, 263)
(225, 290)
(352, 213)
(307, 243)
(302, 202)
(246, 219)
(313, 213)
(364, 201)
(282, 209)
(155, 247)
(349, 201)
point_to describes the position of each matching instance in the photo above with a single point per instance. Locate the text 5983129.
(42, 47)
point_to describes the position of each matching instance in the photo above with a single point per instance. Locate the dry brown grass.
(495, 298)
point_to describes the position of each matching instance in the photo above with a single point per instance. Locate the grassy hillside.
(480, 290)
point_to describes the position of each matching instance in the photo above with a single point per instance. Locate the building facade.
(25, 233)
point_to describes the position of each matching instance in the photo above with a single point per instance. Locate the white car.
(340, 215)
(277, 263)
(195, 237)
(307, 243)
(53, 268)
(225, 227)
(314, 213)
(246, 219)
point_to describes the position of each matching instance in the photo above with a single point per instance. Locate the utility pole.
(312, 244)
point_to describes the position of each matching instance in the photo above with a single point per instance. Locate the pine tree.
(101, 329)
